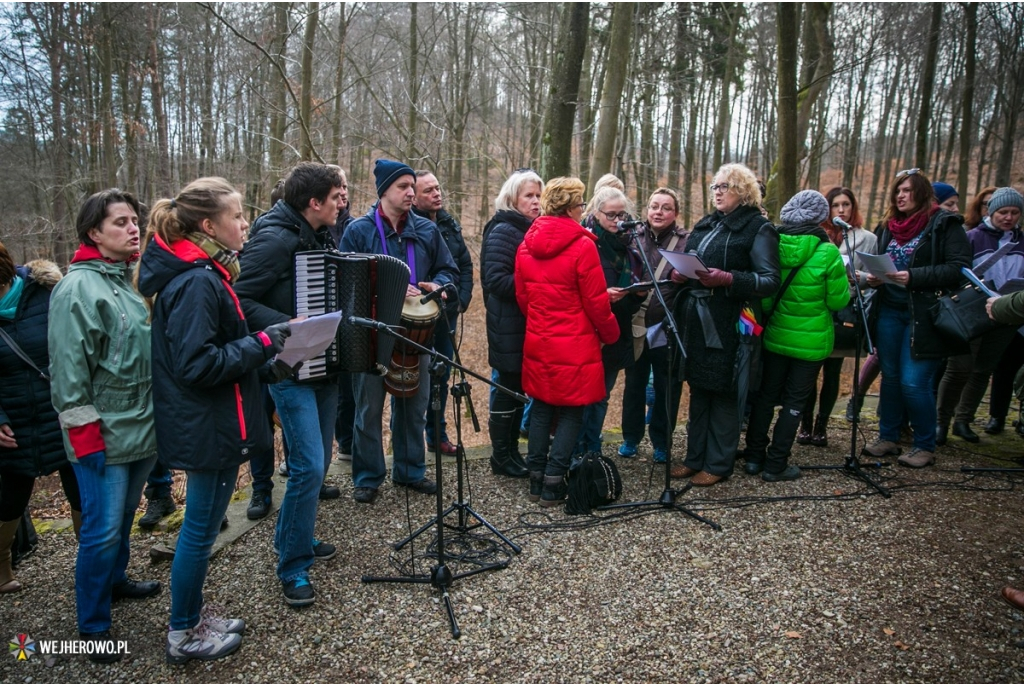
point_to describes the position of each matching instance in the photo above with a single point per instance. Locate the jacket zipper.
(241, 415)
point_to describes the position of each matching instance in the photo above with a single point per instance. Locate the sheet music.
(310, 337)
(686, 263)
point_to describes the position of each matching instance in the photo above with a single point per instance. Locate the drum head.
(413, 310)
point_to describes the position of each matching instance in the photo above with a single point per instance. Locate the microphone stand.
(668, 495)
(441, 576)
(853, 465)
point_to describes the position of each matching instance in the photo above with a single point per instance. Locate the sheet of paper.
(686, 263)
(310, 337)
(879, 266)
(980, 270)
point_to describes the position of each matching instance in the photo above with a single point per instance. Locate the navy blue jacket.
(266, 286)
(433, 260)
(451, 231)
(206, 388)
(25, 397)
(506, 324)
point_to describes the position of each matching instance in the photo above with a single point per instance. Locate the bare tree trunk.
(733, 15)
(306, 101)
(967, 103)
(787, 25)
(106, 104)
(163, 172)
(678, 73)
(927, 83)
(414, 81)
(208, 142)
(619, 46)
(339, 84)
(278, 88)
(564, 92)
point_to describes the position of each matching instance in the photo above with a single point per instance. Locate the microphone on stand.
(839, 223)
(435, 294)
(367, 323)
(629, 225)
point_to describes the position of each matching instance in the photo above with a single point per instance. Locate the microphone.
(367, 323)
(839, 223)
(628, 225)
(434, 294)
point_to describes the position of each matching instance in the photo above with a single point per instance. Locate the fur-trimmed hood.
(44, 272)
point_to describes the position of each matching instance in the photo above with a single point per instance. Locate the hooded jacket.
(206, 390)
(100, 361)
(25, 397)
(560, 287)
(800, 325)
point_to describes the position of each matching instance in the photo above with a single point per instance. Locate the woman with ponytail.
(207, 368)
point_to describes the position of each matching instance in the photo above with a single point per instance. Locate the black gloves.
(277, 334)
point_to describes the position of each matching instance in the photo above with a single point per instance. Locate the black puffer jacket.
(612, 249)
(745, 244)
(506, 324)
(24, 396)
(266, 286)
(206, 389)
(934, 266)
(451, 231)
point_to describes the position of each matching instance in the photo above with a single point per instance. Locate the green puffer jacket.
(801, 327)
(101, 361)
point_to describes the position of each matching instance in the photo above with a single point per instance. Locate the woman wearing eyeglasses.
(977, 209)
(741, 250)
(621, 266)
(928, 247)
(659, 232)
(561, 291)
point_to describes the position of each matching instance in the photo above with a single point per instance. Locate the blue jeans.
(345, 424)
(906, 382)
(108, 511)
(158, 483)
(207, 495)
(442, 345)
(407, 419)
(308, 412)
(589, 439)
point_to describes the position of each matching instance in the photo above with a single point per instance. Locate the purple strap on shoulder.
(410, 249)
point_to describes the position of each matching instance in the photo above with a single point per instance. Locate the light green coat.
(100, 359)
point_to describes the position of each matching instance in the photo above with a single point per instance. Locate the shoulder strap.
(21, 354)
(669, 247)
(785, 285)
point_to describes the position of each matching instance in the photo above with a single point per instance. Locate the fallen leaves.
(793, 635)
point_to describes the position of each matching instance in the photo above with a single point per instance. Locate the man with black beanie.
(391, 228)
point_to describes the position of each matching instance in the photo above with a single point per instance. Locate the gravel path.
(828, 582)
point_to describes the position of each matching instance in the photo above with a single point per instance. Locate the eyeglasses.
(615, 216)
(524, 170)
(723, 187)
(908, 172)
(582, 205)
(984, 203)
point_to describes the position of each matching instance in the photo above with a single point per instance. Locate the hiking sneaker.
(322, 551)
(917, 459)
(259, 505)
(200, 643)
(627, 449)
(298, 592)
(660, 456)
(881, 448)
(210, 617)
(156, 509)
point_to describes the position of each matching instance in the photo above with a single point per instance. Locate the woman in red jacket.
(561, 289)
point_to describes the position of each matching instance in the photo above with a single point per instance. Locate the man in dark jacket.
(430, 204)
(391, 228)
(266, 290)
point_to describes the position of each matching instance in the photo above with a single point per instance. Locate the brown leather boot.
(8, 583)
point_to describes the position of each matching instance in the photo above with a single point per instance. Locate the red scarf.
(86, 253)
(905, 230)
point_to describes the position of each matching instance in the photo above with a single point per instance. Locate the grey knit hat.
(1005, 197)
(806, 207)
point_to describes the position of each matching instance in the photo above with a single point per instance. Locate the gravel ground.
(825, 582)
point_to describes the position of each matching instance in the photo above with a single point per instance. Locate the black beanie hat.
(387, 171)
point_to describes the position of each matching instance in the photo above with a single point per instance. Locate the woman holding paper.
(928, 247)
(206, 387)
(717, 314)
(966, 378)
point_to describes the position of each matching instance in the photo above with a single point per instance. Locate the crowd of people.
(157, 351)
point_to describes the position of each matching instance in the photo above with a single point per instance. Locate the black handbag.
(960, 317)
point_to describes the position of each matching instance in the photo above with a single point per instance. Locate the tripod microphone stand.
(669, 494)
(852, 465)
(441, 576)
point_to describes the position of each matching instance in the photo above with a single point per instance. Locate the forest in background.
(148, 96)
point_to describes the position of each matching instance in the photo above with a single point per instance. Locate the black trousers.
(16, 490)
(788, 382)
(1002, 378)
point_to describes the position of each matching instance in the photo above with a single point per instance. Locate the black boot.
(536, 485)
(995, 425)
(554, 492)
(853, 407)
(962, 429)
(941, 433)
(505, 457)
(819, 436)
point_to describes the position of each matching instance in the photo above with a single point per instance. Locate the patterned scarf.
(218, 253)
(906, 229)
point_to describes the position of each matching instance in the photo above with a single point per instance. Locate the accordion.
(369, 286)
